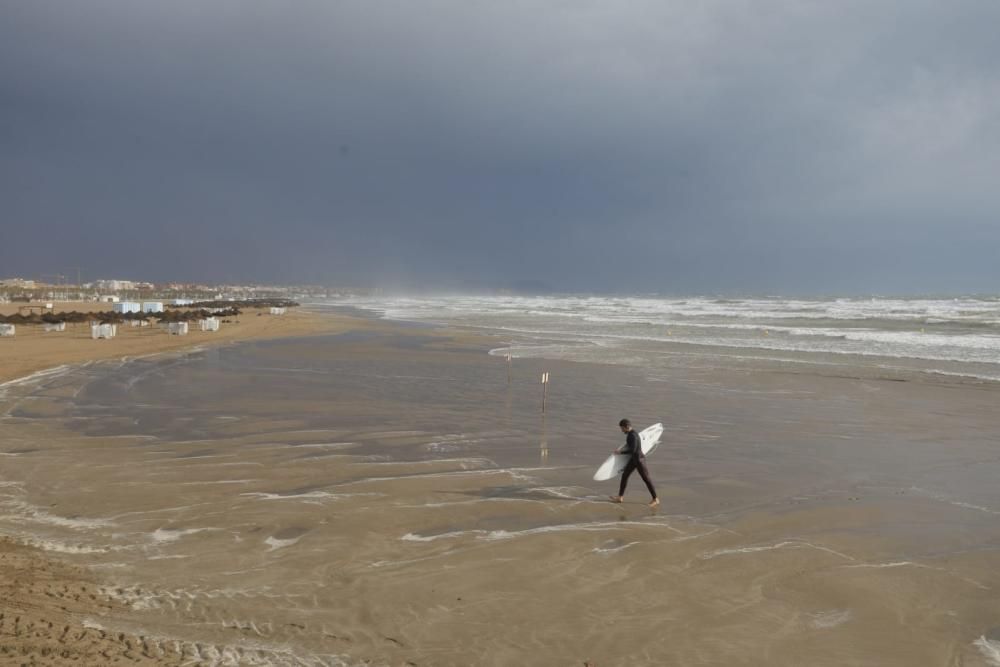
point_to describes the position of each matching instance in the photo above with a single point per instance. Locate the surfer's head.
(625, 425)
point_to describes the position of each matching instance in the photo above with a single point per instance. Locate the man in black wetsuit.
(633, 447)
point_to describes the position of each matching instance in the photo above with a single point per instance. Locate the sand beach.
(383, 496)
(33, 350)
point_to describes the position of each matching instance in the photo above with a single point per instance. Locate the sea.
(916, 338)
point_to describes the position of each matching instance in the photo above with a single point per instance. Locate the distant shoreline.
(33, 351)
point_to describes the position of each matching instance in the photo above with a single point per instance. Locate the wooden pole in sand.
(508, 366)
(545, 385)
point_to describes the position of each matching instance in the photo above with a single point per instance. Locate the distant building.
(114, 285)
(181, 302)
(18, 282)
(128, 307)
(108, 299)
(152, 306)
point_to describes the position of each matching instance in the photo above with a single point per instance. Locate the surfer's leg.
(629, 467)
(645, 477)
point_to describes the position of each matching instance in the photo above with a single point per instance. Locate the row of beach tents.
(100, 330)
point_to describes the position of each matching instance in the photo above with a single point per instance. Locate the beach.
(381, 494)
(33, 350)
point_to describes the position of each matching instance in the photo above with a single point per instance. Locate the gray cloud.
(651, 146)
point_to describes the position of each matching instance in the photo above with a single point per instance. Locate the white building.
(114, 285)
(18, 282)
(181, 302)
(7, 329)
(108, 299)
(152, 306)
(127, 307)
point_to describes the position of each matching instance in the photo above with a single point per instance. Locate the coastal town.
(49, 324)
(57, 287)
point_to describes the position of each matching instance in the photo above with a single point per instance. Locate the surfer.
(633, 448)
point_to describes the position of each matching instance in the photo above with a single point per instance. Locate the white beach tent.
(277, 311)
(103, 331)
(7, 329)
(209, 324)
(178, 328)
(57, 326)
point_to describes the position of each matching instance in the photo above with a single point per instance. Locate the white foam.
(464, 464)
(166, 535)
(413, 537)
(899, 563)
(824, 620)
(34, 377)
(959, 330)
(497, 535)
(906, 563)
(38, 515)
(308, 495)
(512, 472)
(410, 561)
(494, 499)
(275, 543)
(567, 492)
(219, 481)
(787, 544)
(951, 501)
(63, 548)
(989, 648)
(322, 445)
(613, 550)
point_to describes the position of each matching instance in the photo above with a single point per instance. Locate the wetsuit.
(636, 461)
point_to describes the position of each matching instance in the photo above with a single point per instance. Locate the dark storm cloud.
(594, 145)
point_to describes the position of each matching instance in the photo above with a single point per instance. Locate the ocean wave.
(960, 330)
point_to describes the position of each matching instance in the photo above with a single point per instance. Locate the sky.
(657, 146)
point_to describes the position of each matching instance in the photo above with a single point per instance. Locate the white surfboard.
(650, 438)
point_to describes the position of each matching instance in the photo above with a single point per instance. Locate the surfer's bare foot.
(654, 502)
(615, 499)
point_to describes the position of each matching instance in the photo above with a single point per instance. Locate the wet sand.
(384, 497)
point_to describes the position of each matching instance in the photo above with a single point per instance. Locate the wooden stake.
(545, 385)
